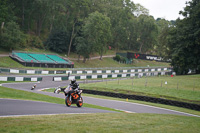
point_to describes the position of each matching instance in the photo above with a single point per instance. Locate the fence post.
(161, 83)
(146, 82)
(194, 86)
(132, 82)
(177, 85)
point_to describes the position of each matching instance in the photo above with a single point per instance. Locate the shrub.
(35, 41)
(117, 58)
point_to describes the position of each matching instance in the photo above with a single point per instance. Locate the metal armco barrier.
(145, 98)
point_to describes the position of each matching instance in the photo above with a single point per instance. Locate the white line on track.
(125, 111)
(42, 115)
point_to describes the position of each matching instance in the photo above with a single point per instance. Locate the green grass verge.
(180, 88)
(24, 95)
(102, 123)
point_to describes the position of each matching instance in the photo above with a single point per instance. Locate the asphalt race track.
(9, 107)
(12, 107)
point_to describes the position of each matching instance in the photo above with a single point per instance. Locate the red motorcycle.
(71, 96)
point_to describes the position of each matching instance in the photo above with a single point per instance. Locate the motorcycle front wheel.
(80, 102)
(67, 101)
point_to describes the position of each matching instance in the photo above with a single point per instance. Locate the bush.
(123, 59)
(35, 41)
(117, 58)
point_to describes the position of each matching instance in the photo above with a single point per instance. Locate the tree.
(12, 37)
(3, 13)
(58, 41)
(141, 10)
(83, 48)
(77, 11)
(97, 31)
(123, 26)
(147, 31)
(162, 47)
(6, 13)
(184, 40)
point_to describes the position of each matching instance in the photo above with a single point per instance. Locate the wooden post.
(177, 85)
(194, 86)
(118, 81)
(146, 82)
(132, 82)
(161, 84)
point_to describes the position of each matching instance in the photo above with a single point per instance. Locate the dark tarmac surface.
(11, 107)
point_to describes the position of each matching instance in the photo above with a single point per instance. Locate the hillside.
(6, 61)
(109, 62)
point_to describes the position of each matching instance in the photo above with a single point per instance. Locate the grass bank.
(109, 62)
(7, 62)
(180, 88)
(100, 123)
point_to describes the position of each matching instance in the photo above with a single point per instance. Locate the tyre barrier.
(145, 98)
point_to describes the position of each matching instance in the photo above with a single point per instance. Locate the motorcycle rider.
(75, 85)
(33, 87)
(75, 88)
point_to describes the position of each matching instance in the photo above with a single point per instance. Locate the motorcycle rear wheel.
(67, 101)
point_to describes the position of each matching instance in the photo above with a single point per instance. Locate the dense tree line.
(91, 26)
(184, 40)
(120, 24)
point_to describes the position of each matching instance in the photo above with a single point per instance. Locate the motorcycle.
(33, 87)
(71, 96)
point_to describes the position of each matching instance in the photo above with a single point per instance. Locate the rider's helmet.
(73, 81)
